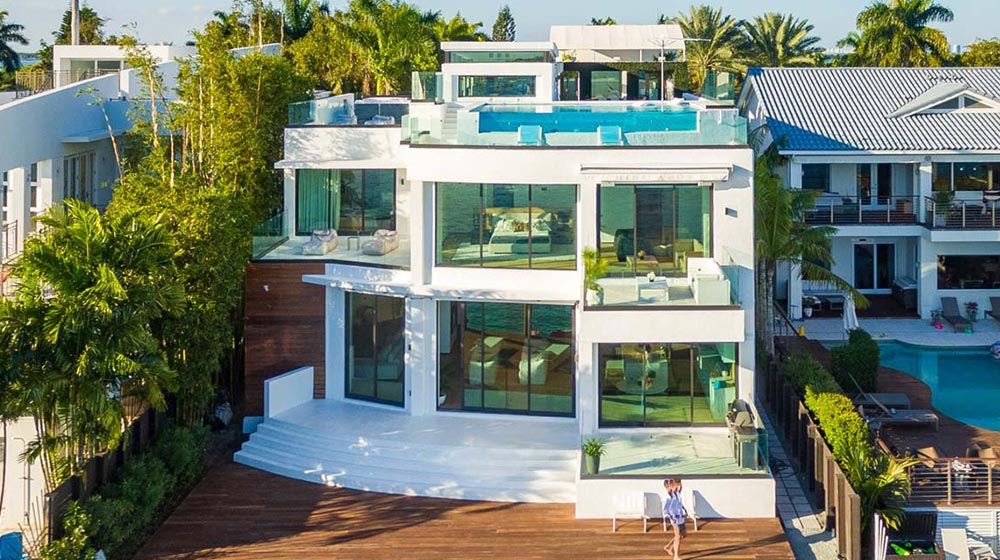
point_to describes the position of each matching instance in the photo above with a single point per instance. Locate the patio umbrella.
(881, 544)
(850, 315)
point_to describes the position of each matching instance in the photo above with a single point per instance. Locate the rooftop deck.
(238, 512)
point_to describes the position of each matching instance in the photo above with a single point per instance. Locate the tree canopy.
(504, 28)
(899, 33)
(781, 40)
(10, 34)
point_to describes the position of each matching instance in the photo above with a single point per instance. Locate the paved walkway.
(799, 516)
(911, 331)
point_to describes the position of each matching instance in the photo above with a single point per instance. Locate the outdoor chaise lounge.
(321, 242)
(994, 308)
(950, 313)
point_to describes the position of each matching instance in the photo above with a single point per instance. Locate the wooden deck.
(238, 512)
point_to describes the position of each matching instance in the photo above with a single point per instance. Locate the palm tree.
(390, 39)
(603, 21)
(458, 29)
(300, 15)
(781, 40)
(716, 41)
(10, 33)
(897, 33)
(784, 237)
(881, 481)
(77, 339)
(91, 27)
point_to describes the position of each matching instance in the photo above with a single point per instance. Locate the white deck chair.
(955, 543)
(630, 505)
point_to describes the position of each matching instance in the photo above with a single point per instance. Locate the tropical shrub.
(74, 545)
(855, 365)
(880, 481)
(805, 372)
(838, 419)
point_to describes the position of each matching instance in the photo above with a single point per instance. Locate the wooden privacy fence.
(100, 469)
(811, 453)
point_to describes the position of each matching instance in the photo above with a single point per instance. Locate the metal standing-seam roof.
(852, 109)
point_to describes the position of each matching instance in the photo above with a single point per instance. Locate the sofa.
(538, 365)
(709, 284)
(321, 242)
(382, 242)
(685, 249)
(482, 372)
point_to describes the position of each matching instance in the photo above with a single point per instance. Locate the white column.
(927, 281)
(421, 345)
(19, 204)
(336, 321)
(925, 182)
(794, 180)
(289, 203)
(50, 188)
(795, 277)
(587, 390)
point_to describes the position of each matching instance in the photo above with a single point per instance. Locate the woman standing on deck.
(673, 511)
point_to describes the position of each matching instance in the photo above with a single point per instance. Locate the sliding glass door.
(506, 357)
(351, 201)
(659, 384)
(375, 348)
(874, 267)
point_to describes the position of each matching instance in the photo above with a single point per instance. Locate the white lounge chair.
(955, 543)
(631, 505)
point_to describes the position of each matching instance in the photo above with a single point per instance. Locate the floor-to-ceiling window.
(659, 384)
(654, 228)
(505, 226)
(506, 357)
(357, 201)
(375, 348)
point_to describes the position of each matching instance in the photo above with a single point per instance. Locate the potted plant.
(594, 268)
(808, 303)
(593, 450)
(972, 310)
(943, 201)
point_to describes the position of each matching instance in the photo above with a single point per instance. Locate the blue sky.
(172, 20)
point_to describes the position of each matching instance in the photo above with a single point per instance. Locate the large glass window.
(496, 86)
(968, 272)
(654, 228)
(349, 201)
(506, 226)
(506, 357)
(658, 384)
(816, 176)
(499, 56)
(606, 84)
(964, 176)
(375, 348)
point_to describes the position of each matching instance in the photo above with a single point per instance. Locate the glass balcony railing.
(268, 234)
(719, 87)
(427, 86)
(333, 110)
(698, 282)
(712, 127)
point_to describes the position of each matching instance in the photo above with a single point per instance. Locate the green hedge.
(858, 359)
(120, 517)
(803, 371)
(840, 422)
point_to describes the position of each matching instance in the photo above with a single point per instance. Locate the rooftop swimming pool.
(964, 382)
(634, 117)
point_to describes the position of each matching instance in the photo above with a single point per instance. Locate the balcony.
(835, 209)
(345, 110)
(963, 214)
(30, 82)
(576, 124)
(703, 283)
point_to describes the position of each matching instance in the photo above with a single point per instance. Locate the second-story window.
(496, 86)
(816, 176)
(353, 201)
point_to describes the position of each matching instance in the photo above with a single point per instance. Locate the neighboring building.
(906, 162)
(444, 329)
(72, 63)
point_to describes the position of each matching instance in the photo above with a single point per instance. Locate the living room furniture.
(658, 286)
(481, 372)
(709, 284)
(382, 242)
(538, 368)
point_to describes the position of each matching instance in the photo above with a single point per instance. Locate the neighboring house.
(906, 162)
(450, 346)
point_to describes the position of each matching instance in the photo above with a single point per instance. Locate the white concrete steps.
(398, 466)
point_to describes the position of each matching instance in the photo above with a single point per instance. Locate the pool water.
(639, 117)
(964, 383)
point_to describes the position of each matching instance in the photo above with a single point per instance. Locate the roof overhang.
(338, 164)
(610, 174)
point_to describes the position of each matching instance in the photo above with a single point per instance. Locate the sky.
(171, 21)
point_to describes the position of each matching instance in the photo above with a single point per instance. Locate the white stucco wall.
(24, 493)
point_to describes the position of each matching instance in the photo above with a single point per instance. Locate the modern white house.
(906, 162)
(417, 320)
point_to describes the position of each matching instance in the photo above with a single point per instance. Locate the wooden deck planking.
(238, 512)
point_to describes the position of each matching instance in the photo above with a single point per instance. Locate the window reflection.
(375, 348)
(656, 384)
(350, 201)
(506, 357)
